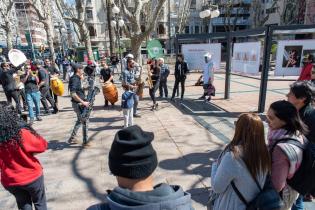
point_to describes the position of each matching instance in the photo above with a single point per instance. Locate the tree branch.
(153, 18)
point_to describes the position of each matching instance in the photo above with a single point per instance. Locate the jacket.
(18, 165)
(180, 73)
(306, 73)
(127, 100)
(163, 196)
(232, 168)
(307, 115)
(7, 80)
(164, 72)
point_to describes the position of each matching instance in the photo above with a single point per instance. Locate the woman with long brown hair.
(244, 162)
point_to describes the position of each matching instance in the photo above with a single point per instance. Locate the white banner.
(246, 57)
(290, 54)
(194, 55)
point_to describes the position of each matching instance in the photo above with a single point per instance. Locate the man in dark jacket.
(53, 72)
(132, 159)
(9, 86)
(301, 95)
(181, 70)
(43, 85)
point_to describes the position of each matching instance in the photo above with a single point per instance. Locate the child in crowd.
(127, 102)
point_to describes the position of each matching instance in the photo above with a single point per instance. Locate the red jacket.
(306, 73)
(18, 165)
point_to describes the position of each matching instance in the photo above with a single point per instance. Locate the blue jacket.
(165, 71)
(127, 100)
(162, 197)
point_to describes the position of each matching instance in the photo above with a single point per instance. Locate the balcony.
(239, 21)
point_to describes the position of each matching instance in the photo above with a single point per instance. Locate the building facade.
(29, 28)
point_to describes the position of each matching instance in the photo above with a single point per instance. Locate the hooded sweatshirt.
(163, 196)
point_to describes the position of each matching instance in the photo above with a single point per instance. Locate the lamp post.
(29, 32)
(212, 12)
(117, 23)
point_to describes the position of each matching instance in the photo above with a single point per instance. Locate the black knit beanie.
(132, 155)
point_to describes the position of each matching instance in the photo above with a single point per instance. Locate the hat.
(77, 66)
(130, 56)
(132, 155)
(89, 62)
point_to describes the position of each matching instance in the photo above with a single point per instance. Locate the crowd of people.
(239, 177)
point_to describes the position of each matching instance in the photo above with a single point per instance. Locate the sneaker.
(72, 140)
(156, 106)
(55, 111)
(31, 122)
(47, 112)
(39, 119)
(137, 115)
(202, 98)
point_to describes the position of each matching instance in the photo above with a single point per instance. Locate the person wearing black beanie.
(132, 159)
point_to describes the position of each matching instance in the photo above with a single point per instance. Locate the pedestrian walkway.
(189, 135)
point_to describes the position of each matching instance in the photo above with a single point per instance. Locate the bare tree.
(293, 12)
(107, 8)
(77, 14)
(258, 18)
(183, 14)
(133, 16)
(44, 13)
(6, 8)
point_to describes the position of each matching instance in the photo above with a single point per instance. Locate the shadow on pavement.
(104, 119)
(195, 164)
(57, 145)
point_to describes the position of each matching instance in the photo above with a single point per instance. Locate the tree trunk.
(9, 36)
(110, 32)
(84, 32)
(136, 48)
(49, 29)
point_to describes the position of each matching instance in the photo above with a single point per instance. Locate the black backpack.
(267, 199)
(303, 180)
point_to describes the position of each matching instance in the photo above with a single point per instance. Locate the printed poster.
(194, 55)
(290, 55)
(246, 58)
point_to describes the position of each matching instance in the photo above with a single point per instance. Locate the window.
(193, 4)
(197, 30)
(186, 29)
(89, 14)
(161, 29)
(92, 31)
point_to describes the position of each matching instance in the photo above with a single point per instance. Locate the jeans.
(77, 109)
(45, 95)
(15, 95)
(33, 98)
(135, 105)
(299, 204)
(176, 84)
(163, 88)
(30, 193)
(23, 95)
(128, 117)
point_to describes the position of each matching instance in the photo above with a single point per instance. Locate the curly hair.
(11, 125)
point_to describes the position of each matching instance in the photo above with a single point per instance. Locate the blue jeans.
(298, 205)
(33, 98)
(79, 122)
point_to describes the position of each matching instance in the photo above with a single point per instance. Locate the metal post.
(265, 69)
(228, 67)
(169, 26)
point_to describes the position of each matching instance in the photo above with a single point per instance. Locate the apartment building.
(28, 24)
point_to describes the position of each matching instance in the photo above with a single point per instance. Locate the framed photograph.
(292, 56)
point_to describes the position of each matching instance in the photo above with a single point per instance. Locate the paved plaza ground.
(189, 135)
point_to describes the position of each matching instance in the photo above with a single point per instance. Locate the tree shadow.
(57, 145)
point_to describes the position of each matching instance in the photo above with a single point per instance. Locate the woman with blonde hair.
(245, 162)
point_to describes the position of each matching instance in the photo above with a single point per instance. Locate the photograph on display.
(292, 56)
(308, 52)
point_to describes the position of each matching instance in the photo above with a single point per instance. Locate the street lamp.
(212, 12)
(117, 23)
(62, 31)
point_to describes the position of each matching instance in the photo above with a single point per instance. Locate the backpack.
(303, 180)
(267, 199)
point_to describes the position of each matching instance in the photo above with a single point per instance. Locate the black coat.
(181, 74)
(307, 115)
